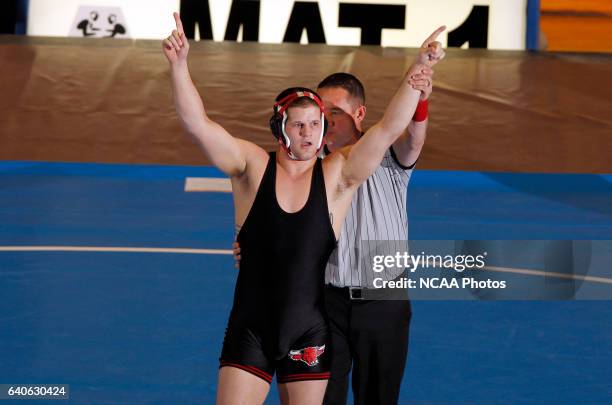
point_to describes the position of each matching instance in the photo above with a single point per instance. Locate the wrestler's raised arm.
(408, 147)
(229, 154)
(363, 157)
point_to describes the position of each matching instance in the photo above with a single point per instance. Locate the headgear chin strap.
(279, 120)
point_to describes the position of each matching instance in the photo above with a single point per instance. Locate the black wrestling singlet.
(279, 292)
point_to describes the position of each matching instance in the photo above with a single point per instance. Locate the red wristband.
(421, 111)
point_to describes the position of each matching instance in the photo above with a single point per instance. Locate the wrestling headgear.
(279, 119)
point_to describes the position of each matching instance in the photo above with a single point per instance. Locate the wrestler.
(290, 205)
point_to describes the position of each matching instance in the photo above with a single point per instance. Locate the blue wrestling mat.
(143, 322)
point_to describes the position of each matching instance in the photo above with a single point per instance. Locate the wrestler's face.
(344, 115)
(303, 127)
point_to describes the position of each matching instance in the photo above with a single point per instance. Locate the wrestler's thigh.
(237, 386)
(302, 392)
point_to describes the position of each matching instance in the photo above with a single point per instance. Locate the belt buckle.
(356, 293)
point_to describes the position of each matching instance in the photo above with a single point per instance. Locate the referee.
(369, 327)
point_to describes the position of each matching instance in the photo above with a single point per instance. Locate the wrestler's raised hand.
(431, 52)
(176, 46)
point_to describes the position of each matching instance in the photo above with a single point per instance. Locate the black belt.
(362, 293)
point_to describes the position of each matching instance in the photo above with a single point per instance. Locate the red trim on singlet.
(302, 377)
(249, 369)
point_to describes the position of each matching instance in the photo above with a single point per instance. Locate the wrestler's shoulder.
(334, 161)
(254, 151)
(256, 161)
(337, 156)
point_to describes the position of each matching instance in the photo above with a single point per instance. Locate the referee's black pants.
(372, 336)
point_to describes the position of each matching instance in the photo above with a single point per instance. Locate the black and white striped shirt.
(378, 213)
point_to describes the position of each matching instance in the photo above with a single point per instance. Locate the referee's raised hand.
(176, 45)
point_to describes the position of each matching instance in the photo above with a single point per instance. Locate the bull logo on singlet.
(309, 355)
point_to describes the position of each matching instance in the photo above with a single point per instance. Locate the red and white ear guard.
(279, 120)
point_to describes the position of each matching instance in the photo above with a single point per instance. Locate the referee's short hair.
(346, 81)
